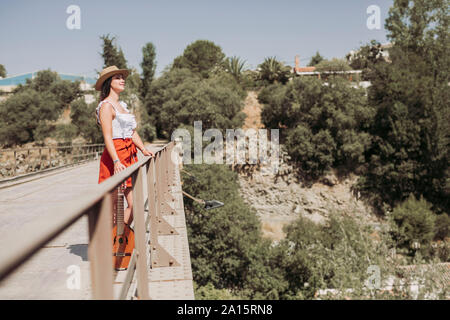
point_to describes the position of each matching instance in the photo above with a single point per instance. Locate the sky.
(34, 35)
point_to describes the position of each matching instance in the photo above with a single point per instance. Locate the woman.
(118, 128)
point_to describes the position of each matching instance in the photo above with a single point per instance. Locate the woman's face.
(118, 83)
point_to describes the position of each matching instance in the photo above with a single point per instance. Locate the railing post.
(100, 249)
(170, 165)
(139, 230)
(158, 226)
(163, 185)
(15, 163)
(30, 168)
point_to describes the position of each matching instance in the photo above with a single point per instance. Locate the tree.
(28, 115)
(112, 56)
(24, 113)
(323, 126)
(146, 130)
(315, 60)
(421, 26)
(410, 153)
(181, 97)
(202, 57)
(65, 91)
(2, 71)
(273, 71)
(365, 58)
(148, 66)
(235, 66)
(84, 119)
(314, 152)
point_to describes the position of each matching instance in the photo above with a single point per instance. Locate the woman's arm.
(106, 117)
(139, 144)
(137, 140)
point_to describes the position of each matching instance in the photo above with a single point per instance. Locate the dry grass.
(253, 111)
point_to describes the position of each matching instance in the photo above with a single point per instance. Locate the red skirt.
(127, 153)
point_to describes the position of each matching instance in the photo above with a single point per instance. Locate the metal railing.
(24, 161)
(158, 173)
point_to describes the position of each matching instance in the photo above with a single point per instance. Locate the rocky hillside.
(280, 198)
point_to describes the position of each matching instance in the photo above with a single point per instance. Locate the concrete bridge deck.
(49, 273)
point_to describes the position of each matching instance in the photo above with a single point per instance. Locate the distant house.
(384, 52)
(8, 84)
(352, 75)
(299, 70)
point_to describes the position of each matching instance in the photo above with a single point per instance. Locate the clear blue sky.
(34, 35)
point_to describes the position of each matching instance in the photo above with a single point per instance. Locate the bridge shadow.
(79, 250)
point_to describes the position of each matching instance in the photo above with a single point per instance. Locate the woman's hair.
(106, 89)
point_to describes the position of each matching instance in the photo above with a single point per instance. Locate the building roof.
(328, 72)
(305, 69)
(22, 78)
(441, 269)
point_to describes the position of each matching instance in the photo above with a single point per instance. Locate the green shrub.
(413, 221)
(331, 256)
(333, 65)
(225, 244)
(209, 292)
(84, 119)
(43, 130)
(442, 227)
(313, 153)
(147, 132)
(65, 132)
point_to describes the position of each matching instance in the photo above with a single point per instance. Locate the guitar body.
(122, 235)
(123, 246)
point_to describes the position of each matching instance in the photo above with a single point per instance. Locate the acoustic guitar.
(123, 235)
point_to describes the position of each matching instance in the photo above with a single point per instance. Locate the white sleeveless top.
(123, 124)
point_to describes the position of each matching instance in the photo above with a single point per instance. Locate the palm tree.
(235, 66)
(272, 71)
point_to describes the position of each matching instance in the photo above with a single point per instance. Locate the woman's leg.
(129, 211)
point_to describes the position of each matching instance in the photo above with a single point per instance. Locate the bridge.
(57, 233)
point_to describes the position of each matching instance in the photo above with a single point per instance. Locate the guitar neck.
(120, 211)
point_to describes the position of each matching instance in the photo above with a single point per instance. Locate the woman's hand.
(118, 166)
(147, 153)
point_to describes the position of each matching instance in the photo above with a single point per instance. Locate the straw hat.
(109, 72)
